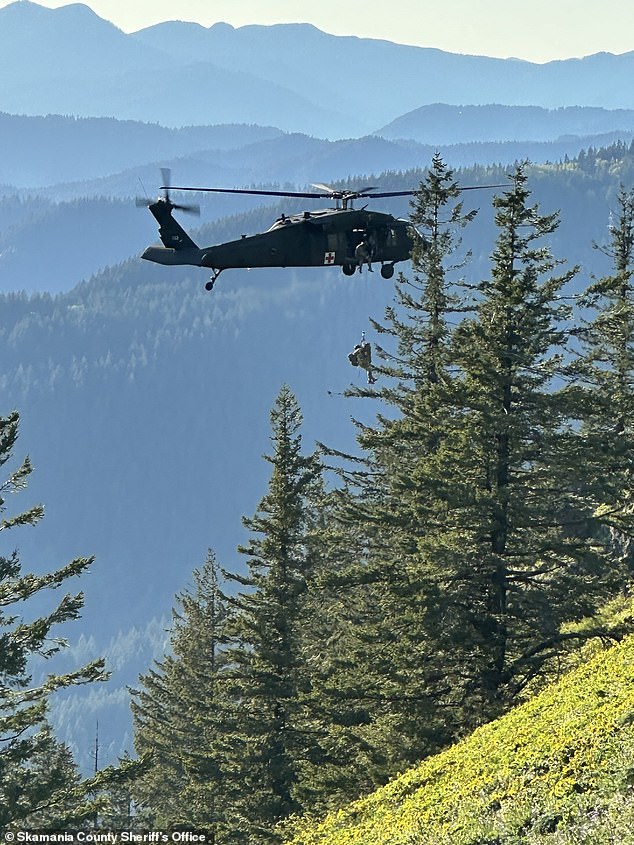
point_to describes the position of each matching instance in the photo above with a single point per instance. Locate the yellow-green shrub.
(561, 762)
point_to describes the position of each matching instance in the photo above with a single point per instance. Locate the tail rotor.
(166, 177)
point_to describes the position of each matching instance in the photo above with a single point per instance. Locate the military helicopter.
(323, 237)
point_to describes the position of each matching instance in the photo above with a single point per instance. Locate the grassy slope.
(558, 769)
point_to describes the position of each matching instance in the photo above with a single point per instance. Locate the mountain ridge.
(444, 124)
(71, 61)
(66, 158)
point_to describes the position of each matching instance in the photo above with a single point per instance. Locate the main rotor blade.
(329, 193)
(249, 191)
(481, 187)
(392, 194)
(323, 187)
(411, 193)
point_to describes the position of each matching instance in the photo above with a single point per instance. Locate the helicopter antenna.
(143, 188)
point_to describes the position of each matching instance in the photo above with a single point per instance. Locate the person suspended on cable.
(361, 356)
(363, 254)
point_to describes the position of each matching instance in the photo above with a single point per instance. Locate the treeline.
(41, 151)
(422, 591)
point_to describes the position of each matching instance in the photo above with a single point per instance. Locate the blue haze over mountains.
(144, 400)
(292, 76)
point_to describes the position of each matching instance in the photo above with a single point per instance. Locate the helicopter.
(323, 237)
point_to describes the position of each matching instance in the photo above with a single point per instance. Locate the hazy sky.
(537, 30)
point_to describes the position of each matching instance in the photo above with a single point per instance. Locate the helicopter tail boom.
(172, 257)
(178, 247)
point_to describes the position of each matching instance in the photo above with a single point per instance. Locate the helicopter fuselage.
(313, 238)
(342, 236)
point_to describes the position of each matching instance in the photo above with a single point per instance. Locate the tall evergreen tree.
(607, 369)
(509, 538)
(496, 506)
(469, 497)
(182, 716)
(38, 782)
(432, 298)
(492, 503)
(384, 683)
(43, 791)
(267, 611)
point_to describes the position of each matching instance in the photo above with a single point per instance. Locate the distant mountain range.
(67, 158)
(442, 124)
(292, 76)
(43, 151)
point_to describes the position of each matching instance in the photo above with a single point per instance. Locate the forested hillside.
(257, 583)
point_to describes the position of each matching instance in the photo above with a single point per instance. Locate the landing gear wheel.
(210, 284)
(387, 271)
(348, 269)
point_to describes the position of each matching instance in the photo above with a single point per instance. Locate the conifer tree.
(267, 622)
(383, 682)
(38, 781)
(493, 505)
(182, 716)
(432, 298)
(508, 535)
(468, 498)
(607, 370)
(120, 811)
(43, 790)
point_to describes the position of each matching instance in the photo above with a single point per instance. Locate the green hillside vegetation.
(558, 769)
